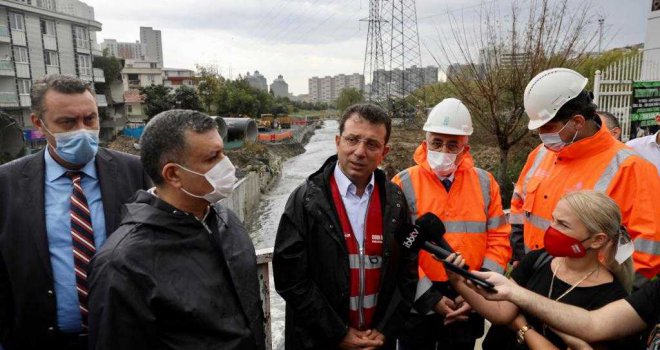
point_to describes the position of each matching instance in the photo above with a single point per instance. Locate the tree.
(158, 98)
(208, 86)
(186, 98)
(111, 67)
(347, 97)
(513, 49)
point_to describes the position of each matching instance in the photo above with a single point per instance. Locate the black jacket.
(165, 280)
(311, 268)
(28, 317)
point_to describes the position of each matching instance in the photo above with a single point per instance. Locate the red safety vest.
(365, 264)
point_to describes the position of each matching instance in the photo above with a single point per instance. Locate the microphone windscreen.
(432, 226)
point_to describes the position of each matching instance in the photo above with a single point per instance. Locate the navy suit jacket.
(28, 317)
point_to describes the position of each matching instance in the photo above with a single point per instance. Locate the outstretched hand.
(504, 288)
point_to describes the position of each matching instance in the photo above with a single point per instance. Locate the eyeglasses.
(451, 146)
(372, 145)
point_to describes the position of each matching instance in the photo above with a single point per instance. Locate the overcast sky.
(303, 38)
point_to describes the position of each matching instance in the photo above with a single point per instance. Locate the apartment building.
(39, 37)
(257, 81)
(175, 77)
(279, 87)
(125, 50)
(328, 88)
(153, 42)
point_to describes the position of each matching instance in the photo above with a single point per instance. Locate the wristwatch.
(520, 335)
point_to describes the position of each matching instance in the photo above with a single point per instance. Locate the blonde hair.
(599, 213)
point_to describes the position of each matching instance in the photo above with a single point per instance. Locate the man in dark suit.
(56, 208)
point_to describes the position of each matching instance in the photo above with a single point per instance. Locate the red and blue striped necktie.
(82, 235)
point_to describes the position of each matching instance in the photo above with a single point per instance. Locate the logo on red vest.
(378, 239)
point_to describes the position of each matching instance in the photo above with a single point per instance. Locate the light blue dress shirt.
(58, 188)
(356, 207)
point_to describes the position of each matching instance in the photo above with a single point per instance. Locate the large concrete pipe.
(222, 126)
(242, 129)
(11, 138)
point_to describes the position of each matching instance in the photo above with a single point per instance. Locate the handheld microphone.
(427, 231)
(427, 228)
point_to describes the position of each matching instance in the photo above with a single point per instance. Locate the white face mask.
(221, 177)
(443, 164)
(553, 141)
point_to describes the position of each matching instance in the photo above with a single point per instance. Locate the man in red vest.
(345, 280)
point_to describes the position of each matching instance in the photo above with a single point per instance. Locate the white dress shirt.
(648, 148)
(356, 207)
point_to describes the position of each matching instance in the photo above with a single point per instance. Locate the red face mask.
(558, 244)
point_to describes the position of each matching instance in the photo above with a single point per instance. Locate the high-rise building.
(328, 88)
(154, 44)
(125, 50)
(44, 37)
(414, 77)
(279, 87)
(257, 81)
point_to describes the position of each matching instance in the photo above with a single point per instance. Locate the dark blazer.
(28, 317)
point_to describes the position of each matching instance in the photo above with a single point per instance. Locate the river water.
(294, 172)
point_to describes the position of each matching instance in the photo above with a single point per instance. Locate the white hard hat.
(450, 116)
(548, 91)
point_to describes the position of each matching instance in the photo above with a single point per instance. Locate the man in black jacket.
(181, 271)
(336, 263)
(42, 285)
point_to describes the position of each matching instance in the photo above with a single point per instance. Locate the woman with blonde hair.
(586, 262)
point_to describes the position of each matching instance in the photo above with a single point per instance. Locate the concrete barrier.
(245, 197)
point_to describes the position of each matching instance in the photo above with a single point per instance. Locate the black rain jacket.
(165, 280)
(311, 268)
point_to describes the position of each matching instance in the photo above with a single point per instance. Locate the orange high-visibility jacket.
(600, 163)
(471, 212)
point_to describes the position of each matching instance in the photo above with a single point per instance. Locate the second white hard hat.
(450, 116)
(548, 91)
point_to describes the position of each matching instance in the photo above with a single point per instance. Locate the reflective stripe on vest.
(370, 261)
(516, 219)
(495, 222)
(647, 247)
(493, 266)
(368, 302)
(537, 162)
(610, 171)
(484, 181)
(465, 226)
(409, 193)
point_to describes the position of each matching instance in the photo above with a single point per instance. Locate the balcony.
(8, 99)
(22, 70)
(52, 69)
(18, 38)
(50, 42)
(4, 34)
(101, 101)
(25, 100)
(96, 50)
(99, 76)
(134, 84)
(7, 68)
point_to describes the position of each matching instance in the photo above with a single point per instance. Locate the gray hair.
(163, 139)
(64, 84)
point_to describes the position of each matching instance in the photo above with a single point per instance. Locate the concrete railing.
(264, 257)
